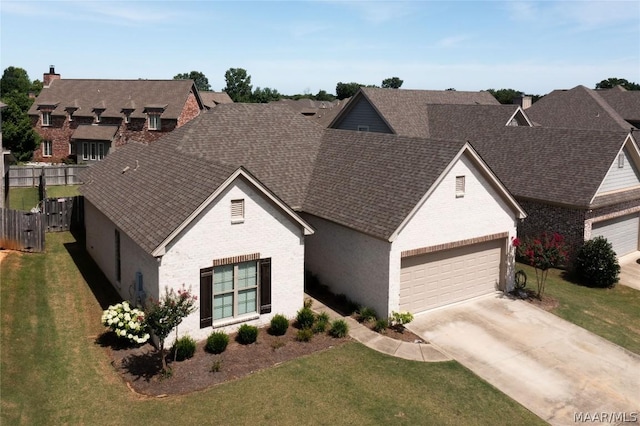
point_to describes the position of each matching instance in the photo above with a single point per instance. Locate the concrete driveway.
(630, 270)
(549, 365)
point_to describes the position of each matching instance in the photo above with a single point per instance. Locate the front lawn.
(610, 313)
(53, 372)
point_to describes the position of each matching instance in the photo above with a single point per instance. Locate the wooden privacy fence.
(63, 214)
(22, 230)
(21, 176)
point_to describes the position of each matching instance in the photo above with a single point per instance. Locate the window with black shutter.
(206, 297)
(265, 286)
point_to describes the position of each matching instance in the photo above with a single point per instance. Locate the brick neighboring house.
(87, 119)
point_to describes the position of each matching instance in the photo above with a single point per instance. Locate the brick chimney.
(523, 101)
(47, 78)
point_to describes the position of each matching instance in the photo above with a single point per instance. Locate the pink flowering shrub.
(543, 252)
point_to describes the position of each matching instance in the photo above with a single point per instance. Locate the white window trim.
(98, 117)
(237, 211)
(46, 122)
(127, 118)
(460, 186)
(47, 148)
(236, 290)
(157, 122)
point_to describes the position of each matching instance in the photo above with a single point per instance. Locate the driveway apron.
(554, 368)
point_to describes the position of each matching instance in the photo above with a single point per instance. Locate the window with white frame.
(47, 148)
(46, 118)
(98, 115)
(460, 186)
(154, 121)
(127, 117)
(235, 290)
(93, 151)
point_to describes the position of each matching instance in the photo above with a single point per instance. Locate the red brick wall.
(137, 130)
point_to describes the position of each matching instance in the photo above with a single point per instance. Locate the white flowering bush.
(126, 322)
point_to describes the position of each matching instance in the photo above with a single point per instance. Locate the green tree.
(392, 83)
(201, 81)
(346, 90)
(505, 96)
(18, 134)
(167, 313)
(322, 95)
(238, 85)
(612, 82)
(266, 95)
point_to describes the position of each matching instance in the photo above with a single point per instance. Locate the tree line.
(18, 92)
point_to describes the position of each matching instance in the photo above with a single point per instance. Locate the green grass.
(27, 198)
(23, 198)
(59, 191)
(610, 313)
(53, 372)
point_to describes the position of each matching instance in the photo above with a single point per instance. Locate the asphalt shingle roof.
(578, 108)
(211, 99)
(625, 102)
(348, 177)
(90, 132)
(563, 166)
(456, 121)
(113, 96)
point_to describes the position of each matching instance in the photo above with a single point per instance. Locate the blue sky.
(306, 46)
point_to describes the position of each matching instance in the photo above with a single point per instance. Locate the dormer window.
(154, 121)
(46, 118)
(98, 116)
(127, 117)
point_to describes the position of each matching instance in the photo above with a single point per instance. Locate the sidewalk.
(376, 341)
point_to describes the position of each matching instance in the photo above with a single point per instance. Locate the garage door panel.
(437, 279)
(621, 232)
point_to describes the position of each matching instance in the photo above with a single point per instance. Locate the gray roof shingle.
(92, 132)
(578, 108)
(211, 99)
(114, 96)
(625, 102)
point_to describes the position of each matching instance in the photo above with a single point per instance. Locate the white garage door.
(621, 232)
(436, 279)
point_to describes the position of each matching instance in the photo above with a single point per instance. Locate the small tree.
(167, 313)
(596, 264)
(543, 253)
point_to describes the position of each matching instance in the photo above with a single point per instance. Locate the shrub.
(247, 334)
(279, 325)
(400, 318)
(217, 342)
(216, 366)
(367, 314)
(304, 335)
(381, 325)
(339, 328)
(127, 322)
(596, 264)
(184, 348)
(308, 302)
(277, 344)
(305, 317)
(322, 321)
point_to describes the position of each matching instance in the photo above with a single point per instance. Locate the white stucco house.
(239, 202)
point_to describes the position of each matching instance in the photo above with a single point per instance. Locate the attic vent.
(460, 186)
(237, 211)
(621, 160)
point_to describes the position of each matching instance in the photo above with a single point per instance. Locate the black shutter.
(265, 285)
(206, 297)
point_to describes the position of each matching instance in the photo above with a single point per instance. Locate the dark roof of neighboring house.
(625, 102)
(561, 166)
(405, 110)
(371, 181)
(455, 121)
(577, 108)
(211, 99)
(94, 132)
(367, 181)
(115, 95)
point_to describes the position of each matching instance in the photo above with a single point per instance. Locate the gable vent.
(237, 211)
(460, 186)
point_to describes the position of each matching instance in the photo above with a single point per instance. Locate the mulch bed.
(140, 367)
(547, 303)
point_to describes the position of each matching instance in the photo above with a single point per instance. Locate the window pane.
(93, 150)
(223, 279)
(85, 151)
(247, 275)
(247, 301)
(223, 306)
(100, 151)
